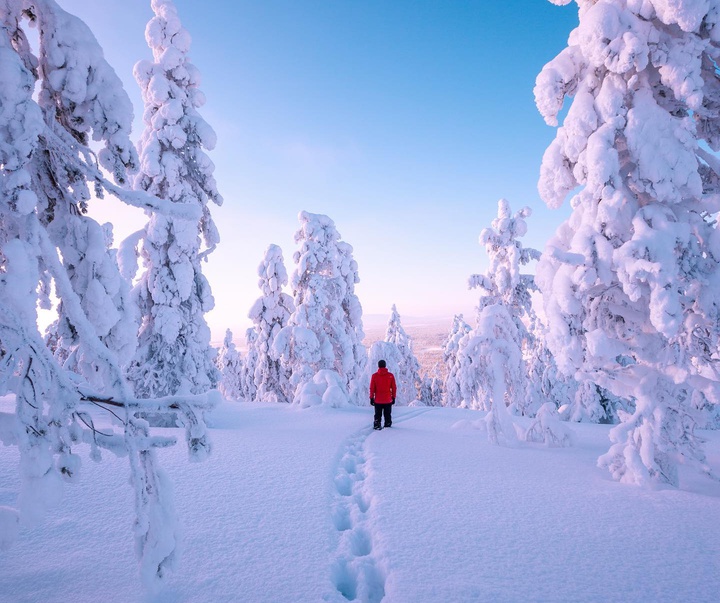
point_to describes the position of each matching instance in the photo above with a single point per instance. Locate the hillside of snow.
(312, 505)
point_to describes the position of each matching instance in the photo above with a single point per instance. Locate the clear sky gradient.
(403, 120)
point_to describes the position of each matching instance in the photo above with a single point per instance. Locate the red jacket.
(382, 387)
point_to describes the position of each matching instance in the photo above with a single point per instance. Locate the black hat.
(381, 364)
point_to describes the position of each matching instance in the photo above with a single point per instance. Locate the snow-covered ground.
(311, 505)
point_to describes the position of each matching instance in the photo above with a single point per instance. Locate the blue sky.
(403, 120)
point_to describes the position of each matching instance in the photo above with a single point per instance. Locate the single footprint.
(341, 519)
(344, 484)
(345, 580)
(360, 543)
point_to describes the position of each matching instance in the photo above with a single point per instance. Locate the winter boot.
(377, 425)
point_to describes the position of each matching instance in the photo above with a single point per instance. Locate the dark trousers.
(383, 409)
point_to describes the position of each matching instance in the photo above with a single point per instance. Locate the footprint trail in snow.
(359, 572)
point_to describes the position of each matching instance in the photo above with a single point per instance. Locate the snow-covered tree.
(458, 330)
(505, 302)
(408, 378)
(594, 404)
(631, 281)
(104, 294)
(491, 370)
(545, 381)
(436, 384)
(431, 389)
(174, 353)
(325, 330)
(250, 363)
(47, 172)
(503, 282)
(547, 428)
(270, 313)
(230, 364)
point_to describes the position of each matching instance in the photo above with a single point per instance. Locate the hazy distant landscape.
(428, 335)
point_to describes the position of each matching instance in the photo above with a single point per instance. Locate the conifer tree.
(500, 332)
(249, 366)
(47, 171)
(631, 281)
(458, 330)
(408, 370)
(436, 384)
(325, 330)
(491, 370)
(230, 365)
(174, 353)
(270, 313)
(545, 381)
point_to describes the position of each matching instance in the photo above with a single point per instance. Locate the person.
(382, 394)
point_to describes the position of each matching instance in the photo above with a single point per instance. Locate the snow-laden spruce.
(407, 372)
(174, 353)
(630, 281)
(325, 331)
(47, 173)
(248, 389)
(434, 386)
(491, 371)
(492, 354)
(230, 364)
(458, 330)
(270, 314)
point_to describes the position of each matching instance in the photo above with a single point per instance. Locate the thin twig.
(92, 428)
(107, 409)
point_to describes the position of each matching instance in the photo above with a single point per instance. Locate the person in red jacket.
(382, 394)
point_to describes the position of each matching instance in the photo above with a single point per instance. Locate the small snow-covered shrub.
(547, 428)
(326, 388)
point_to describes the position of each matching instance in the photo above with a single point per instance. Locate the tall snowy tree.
(631, 282)
(229, 363)
(435, 382)
(174, 353)
(491, 370)
(47, 171)
(407, 377)
(325, 330)
(458, 330)
(250, 363)
(270, 313)
(500, 331)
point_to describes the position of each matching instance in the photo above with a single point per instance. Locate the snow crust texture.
(322, 505)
